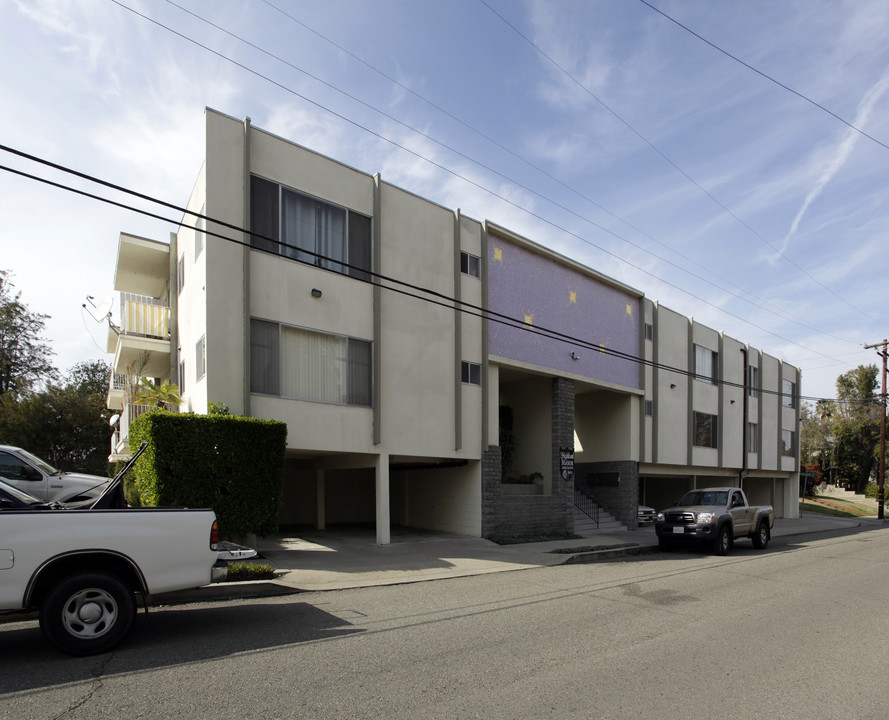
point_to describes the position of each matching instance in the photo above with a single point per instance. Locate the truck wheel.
(723, 541)
(87, 614)
(664, 544)
(761, 538)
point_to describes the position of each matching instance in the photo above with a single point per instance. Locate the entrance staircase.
(585, 526)
(843, 494)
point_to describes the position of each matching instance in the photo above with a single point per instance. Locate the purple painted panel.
(546, 294)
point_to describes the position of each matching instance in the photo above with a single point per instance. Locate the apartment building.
(434, 371)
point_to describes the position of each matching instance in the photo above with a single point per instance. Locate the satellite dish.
(114, 419)
(101, 311)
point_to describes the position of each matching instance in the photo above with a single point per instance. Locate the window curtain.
(315, 366)
(298, 221)
(331, 237)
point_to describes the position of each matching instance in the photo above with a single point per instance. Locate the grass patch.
(243, 571)
(592, 548)
(519, 539)
(836, 508)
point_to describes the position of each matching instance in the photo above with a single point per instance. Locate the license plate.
(679, 531)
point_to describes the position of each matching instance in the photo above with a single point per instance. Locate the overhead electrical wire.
(762, 304)
(663, 155)
(428, 295)
(468, 180)
(765, 75)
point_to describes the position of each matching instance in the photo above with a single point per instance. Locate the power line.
(663, 155)
(478, 185)
(428, 295)
(765, 305)
(764, 75)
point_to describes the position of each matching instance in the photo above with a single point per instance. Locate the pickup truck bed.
(82, 568)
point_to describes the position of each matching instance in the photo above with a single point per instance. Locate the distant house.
(435, 371)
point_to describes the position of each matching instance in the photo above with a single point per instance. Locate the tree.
(856, 425)
(65, 424)
(24, 356)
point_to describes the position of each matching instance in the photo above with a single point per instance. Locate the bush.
(241, 571)
(231, 464)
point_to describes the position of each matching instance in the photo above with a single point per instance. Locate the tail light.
(214, 535)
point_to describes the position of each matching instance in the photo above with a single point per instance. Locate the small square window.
(200, 225)
(649, 331)
(649, 408)
(706, 364)
(752, 380)
(752, 441)
(705, 430)
(180, 274)
(200, 354)
(182, 377)
(471, 373)
(470, 264)
(788, 442)
(788, 393)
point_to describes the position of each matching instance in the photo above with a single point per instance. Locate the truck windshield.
(703, 497)
(41, 464)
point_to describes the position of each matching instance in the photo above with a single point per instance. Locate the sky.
(598, 128)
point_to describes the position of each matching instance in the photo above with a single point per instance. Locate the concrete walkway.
(349, 558)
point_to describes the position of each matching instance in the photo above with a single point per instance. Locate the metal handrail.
(586, 505)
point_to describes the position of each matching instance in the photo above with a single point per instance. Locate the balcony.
(120, 440)
(144, 327)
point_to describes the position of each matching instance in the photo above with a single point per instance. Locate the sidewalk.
(350, 558)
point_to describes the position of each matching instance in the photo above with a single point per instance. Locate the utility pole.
(882, 479)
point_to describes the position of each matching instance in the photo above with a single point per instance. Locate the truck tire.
(664, 544)
(722, 543)
(762, 535)
(87, 614)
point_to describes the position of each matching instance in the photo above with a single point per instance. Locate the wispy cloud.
(841, 153)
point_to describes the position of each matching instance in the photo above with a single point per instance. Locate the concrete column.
(320, 510)
(384, 536)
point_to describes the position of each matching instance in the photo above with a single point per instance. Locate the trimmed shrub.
(231, 464)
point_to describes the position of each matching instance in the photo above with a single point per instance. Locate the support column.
(320, 509)
(384, 536)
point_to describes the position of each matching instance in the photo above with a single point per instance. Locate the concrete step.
(584, 525)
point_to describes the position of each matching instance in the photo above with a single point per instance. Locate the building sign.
(566, 463)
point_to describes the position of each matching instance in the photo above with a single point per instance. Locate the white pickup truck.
(82, 569)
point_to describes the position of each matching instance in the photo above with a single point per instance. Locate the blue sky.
(597, 128)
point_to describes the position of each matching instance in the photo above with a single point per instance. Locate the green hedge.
(231, 464)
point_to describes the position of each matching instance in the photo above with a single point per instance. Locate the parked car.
(38, 478)
(716, 516)
(645, 515)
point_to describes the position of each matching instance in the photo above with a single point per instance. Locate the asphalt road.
(797, 631)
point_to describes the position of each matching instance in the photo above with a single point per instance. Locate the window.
(471, 373)
(649, 408)
(706, 364)
(752, 380)
(649, 331)
(752, 441)
(180, 274)
(200, 225)
(182, 377)
(200, 357)
(705, 430)
(788, 438)
(309, 230)
(469, 264)
(307, 365)
(788, 394)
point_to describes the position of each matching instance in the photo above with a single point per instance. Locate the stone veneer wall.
(620, 500)
(533, 514)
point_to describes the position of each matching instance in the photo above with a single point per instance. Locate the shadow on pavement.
(169, 636)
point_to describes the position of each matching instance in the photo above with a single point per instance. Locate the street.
(796, 631)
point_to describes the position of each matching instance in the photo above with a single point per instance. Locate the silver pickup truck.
(717, 516)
